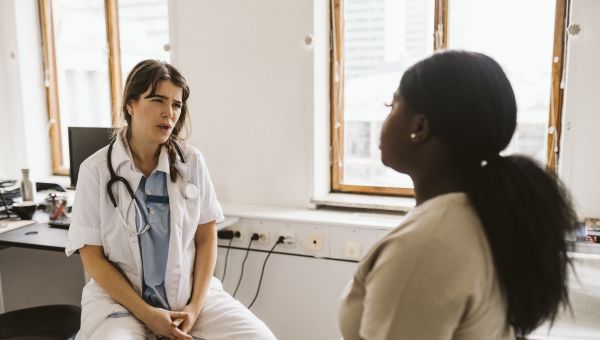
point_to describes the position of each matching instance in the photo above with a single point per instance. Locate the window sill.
(371, 202)
(332, 217)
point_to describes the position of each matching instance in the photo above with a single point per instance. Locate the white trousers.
(222, 318)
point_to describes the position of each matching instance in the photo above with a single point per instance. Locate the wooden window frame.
(440, 41)
(51, 78)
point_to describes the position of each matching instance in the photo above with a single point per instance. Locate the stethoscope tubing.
(116, 179)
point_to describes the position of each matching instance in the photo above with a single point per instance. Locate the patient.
(483, 255)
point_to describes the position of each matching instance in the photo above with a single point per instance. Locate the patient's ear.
(420, 128)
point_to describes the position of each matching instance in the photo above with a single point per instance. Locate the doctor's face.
(153, 117)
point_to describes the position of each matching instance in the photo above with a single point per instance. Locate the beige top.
(431, 278)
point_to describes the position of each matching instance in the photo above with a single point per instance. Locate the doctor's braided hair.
(146, 75)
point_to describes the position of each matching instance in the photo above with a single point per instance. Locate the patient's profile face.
(395, 136)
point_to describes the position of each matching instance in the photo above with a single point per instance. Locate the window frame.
(51, 78)
(440, 42)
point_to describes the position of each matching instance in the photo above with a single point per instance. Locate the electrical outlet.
(288, 238)
(315, 242)
(263, 236)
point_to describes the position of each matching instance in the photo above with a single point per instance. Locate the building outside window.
(377, 40)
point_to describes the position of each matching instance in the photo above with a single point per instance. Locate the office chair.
(52, 322)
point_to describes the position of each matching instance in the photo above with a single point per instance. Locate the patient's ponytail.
(526, 214)
(525, 210)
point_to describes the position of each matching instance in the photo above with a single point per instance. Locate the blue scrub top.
(153, 200)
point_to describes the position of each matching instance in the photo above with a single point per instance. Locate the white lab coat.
(94, 221)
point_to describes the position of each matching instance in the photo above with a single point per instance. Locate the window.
(375, 41)
(83, 57)
(144, 32)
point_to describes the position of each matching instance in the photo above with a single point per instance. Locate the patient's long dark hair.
(146, 75)
(525, 210)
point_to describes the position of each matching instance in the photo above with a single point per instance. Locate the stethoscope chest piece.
(191, 191)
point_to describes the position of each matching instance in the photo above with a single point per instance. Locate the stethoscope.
(191, 191)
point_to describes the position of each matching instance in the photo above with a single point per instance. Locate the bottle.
(26, 186)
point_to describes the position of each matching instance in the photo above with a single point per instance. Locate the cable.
(262, 272)
(225, 265)
(254, 237)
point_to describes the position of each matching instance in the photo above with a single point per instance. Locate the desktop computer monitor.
(84, 142)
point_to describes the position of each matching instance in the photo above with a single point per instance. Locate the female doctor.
(144, 222)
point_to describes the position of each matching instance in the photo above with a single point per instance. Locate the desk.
(37, 236)
(44, 237)
(36, 271)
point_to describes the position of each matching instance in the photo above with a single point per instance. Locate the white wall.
(33, 98)
(299, 297)
(23, 114)
(580, 154)
(12, 156)
(252, 100)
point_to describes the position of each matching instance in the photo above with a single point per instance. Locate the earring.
(413, 135)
